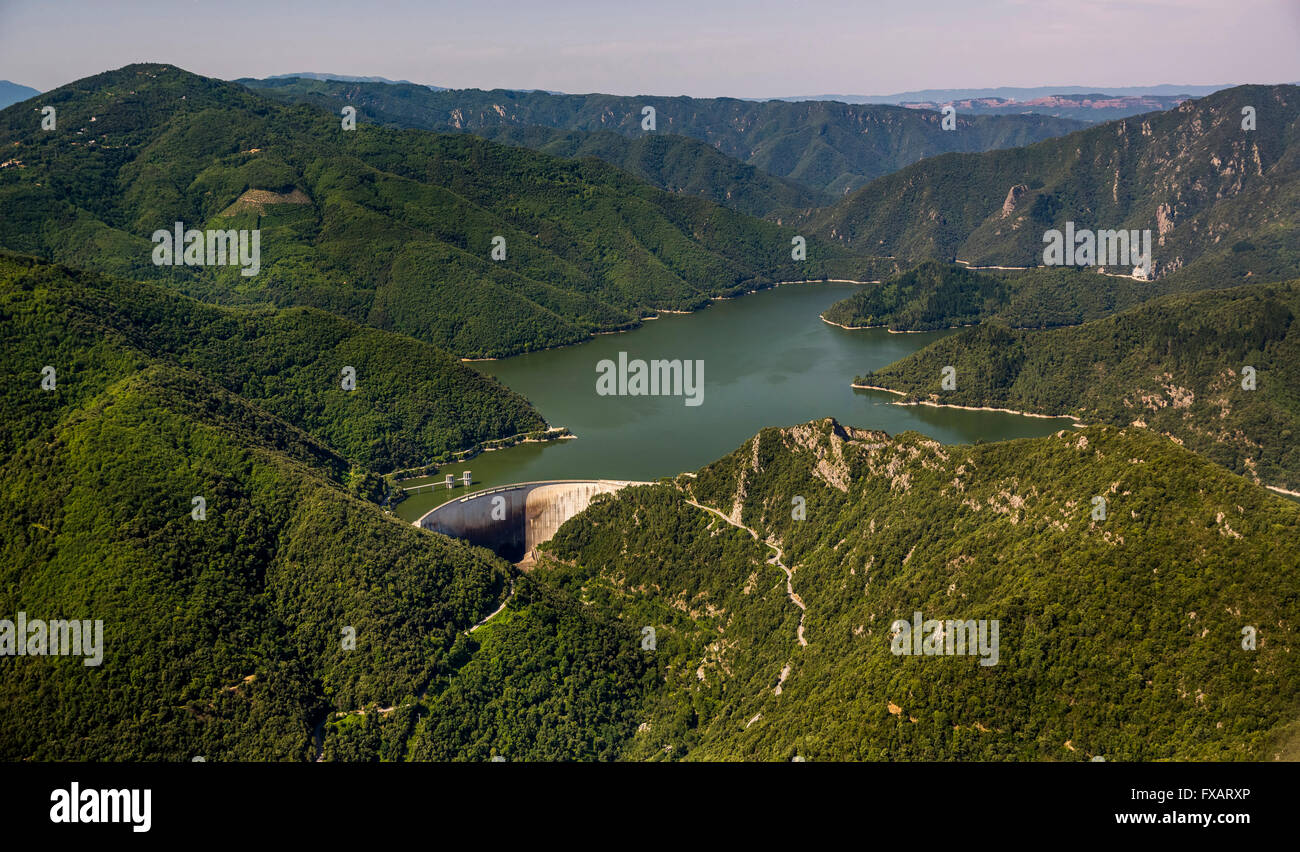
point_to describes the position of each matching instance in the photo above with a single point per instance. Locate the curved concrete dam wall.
(513, 519)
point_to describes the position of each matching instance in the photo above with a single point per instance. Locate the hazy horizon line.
(380, 79)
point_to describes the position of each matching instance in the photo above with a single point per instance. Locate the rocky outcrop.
(1013, 197)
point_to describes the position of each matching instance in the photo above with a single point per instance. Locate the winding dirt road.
(496, 611)
(775, 560)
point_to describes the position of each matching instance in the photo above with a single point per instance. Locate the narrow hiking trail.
(777, 553)
(775, 560)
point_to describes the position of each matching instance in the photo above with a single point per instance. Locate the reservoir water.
(769, 360)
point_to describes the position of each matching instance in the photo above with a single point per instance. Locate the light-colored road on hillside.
(775, 560)
(496, 611)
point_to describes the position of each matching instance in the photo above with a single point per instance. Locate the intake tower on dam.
(513, 519)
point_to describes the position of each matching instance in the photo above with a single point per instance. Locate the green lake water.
(769, 360)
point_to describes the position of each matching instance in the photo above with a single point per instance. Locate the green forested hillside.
(723, 624)
(1174, 365)
(550, 680)
(929, 296)
(935, 295)
(828, 146)
(674, 163)
(389, 228)
(412, 402)
(1119, 637)
(740, 612)
(564, 673)
(1221, 202)
(222, 637)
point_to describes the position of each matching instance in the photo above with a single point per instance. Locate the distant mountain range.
(1008, 93)
(347, 78)
(827, 147)
(12, 93)
(1015, 93)
(1076, 102)
(1091, 107)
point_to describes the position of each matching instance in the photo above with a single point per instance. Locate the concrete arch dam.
(513, 519)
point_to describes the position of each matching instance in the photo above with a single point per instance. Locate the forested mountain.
(411, 403)
(389, 228)
(935, 295)
(1175, 365)
(929, 296)
(98, 476)
(181, 459)
(222, 636)
(1120, 638)
(674, 163)
(827, 146)
(1220, 201)
(225, 636)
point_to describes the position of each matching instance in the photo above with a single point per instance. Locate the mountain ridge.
(829, 147)
(1174, 365)
(1216, 186)
(12, 93)
(402, 225)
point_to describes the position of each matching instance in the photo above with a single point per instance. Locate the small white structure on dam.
(513, 519)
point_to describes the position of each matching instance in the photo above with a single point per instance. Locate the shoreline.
(890, 330)
(877, 388)
(847, 327)
(1095, 268)
(966, 263)
(822, 281)
(712, 299)
(932, 331)
(1078, 424)
(1076, 421)
(468, 455)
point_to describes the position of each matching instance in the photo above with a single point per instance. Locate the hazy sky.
(759, 48)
